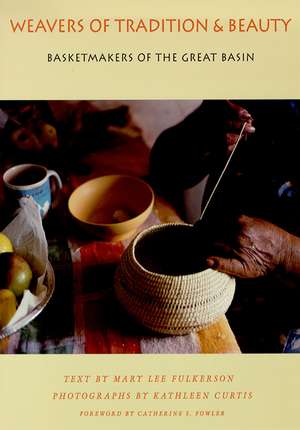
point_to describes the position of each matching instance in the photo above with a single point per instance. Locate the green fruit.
(15, 273)
(8, 307)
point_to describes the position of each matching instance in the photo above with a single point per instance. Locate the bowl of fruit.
(26, 282)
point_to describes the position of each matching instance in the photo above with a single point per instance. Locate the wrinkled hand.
(256, 248)
(237, 117)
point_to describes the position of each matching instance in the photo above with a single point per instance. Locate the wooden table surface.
(84, 317)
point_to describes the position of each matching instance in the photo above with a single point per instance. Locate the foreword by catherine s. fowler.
(150, 25)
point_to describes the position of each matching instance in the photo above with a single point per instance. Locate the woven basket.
(170, 303)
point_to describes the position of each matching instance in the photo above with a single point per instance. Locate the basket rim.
(158, 275)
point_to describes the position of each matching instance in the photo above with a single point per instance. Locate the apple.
(8, 306)
(15, 273)
(47, 135)
(24, 139)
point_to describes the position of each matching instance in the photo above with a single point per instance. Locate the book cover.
(138, 69)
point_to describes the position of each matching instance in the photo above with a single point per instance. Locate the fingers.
(231, 139)
(239, 111)
(232, 136)
(233, 106)
(249, 129)
(231, 266)
(236, 125)
(244, 115)
(237, 116)
(219, 248)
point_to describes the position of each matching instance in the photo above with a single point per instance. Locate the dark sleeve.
(186, 153)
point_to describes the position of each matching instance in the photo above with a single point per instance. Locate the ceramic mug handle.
(56, 176)
(58, 184)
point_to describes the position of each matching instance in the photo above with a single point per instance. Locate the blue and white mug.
(30, 180)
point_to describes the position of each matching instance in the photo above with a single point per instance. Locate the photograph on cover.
(150, 226)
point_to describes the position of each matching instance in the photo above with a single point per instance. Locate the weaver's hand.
(254, 248)
(237, 116)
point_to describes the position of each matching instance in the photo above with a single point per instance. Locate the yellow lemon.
(5, 244)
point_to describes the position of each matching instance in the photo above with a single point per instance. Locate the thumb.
(231, 266)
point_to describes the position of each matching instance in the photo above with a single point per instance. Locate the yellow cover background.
(26, 74)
